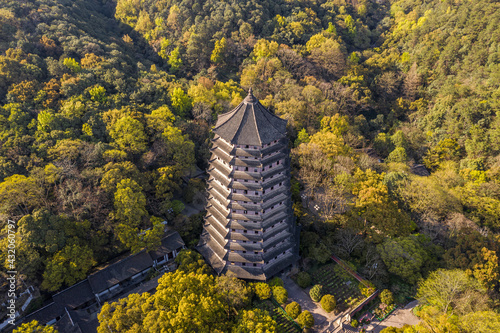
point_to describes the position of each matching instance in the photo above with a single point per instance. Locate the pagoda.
(249, 227)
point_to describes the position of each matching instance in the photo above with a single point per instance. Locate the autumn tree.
(293, 309)
(34, 327)
(128, 134)
(452, 289)
(255, 320)
(305, 319)
(67, 267)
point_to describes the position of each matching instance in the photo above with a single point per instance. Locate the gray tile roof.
(169, 243)
(250, 124)
(74, 296)
(119, 271)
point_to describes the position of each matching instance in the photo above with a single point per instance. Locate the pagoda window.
(243, 264)
(277, 162)
(256, 213)
(245, 231)
(255, 170)
(254, 265)
(246, 168)
(256, 193)
(246, 180)
(245, 191)
(244, 212)
(246, 146)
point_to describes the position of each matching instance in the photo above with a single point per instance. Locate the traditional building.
(249, 227)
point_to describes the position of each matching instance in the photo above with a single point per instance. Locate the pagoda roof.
(250, 123)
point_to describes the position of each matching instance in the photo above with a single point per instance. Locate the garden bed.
(339, 283)
(284, 323)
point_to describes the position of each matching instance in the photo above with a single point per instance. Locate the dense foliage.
(393, 112)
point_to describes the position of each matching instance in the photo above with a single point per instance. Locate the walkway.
(323, 321)
(399, 318)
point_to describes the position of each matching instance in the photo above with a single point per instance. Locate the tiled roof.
(75, 295)
(119, 271)
(169, 243)
(250, 124)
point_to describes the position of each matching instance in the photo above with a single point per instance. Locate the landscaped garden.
(284, 323)
(339, 283)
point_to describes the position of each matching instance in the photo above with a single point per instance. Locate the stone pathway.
(323, 321)
(399, 318)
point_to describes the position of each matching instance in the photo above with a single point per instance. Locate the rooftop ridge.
(237, 127)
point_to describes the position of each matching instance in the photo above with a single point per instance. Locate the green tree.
(328, 303)
(386, 297)
(404, 257)
(174, 59)
(190, 261)
(67, 267)
(234, 293)
(305, 319)
(130, 214)
(34, 327)
(280, 294)
(276, 281)
(293, 309)
(19, 195)
(219, 51)
(181, 102)
(72, 64)
(255, 321)
(302, 137)
(128, 134)
(182, 303)
(316, 292)
(398, 155)
(449, 289)
(98, 94)
(262, 290)
(304, 279)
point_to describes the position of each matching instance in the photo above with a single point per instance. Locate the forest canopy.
(393, 117)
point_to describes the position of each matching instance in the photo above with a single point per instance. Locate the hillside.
(106, 105)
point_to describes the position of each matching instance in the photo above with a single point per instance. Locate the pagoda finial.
(250, 97)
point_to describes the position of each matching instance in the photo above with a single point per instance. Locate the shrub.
(304, 279)
(366, 291)
(328, 303)
(280, 294)
(305, 319)
(354, 323)
(276, 281)
(386, 297)
(293, 309)
(316, 292)
(262, 290)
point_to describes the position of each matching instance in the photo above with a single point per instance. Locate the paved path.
(399, 318)
(322, 319)
(191, 209)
